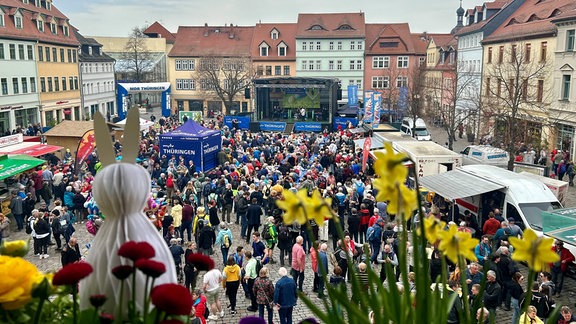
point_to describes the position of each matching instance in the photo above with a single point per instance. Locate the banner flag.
(85, 148)
(353, 96)
(368, 107)
(377, 102)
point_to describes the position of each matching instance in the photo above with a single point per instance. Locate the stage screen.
(300, 97)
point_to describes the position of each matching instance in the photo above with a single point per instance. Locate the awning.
(376, 143)
(29, 148)
(458, 184)
(144, 124)
(13, 165)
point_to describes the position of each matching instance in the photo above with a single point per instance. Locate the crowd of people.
(195, 212)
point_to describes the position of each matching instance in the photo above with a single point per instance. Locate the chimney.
(231, 34)
(205, 29)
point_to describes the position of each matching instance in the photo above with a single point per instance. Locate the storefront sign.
(11, 140)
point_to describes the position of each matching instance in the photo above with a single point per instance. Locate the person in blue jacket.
(285, 296)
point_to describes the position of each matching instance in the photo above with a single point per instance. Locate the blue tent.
(193, 142)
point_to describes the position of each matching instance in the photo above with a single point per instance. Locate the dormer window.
(53, 27)
(18, 21)
(264, 49)
(345, 27)
(316, 27)
(2, 24)
(66, 30)
(40, 24)
(274, 34)
(25, 1)
(90, 50)
(282, 49)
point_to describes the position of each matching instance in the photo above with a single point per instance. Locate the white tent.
(144, 124)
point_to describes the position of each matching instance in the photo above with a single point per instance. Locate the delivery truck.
(484, 154)
(430, 158)
(558, 187)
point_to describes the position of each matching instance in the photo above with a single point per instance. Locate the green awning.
(15, 164)
(560, 224)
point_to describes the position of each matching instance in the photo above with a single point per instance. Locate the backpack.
(207, 189)
(28, 227)
(377, 234)
(267, 191)
(360, 188)
(226, 241)
(283, 233)
(266, 233)
(322, 182)
(370, 233)
(563, 168)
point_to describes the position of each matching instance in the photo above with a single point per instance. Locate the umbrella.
(11, 166)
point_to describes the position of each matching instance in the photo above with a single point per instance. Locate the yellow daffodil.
(293, 206)
(432, 228)
(17, 248)
(535, 250)
(405, 202)
(18, 278)
(389, 165)
(318, 208)
(454, 243)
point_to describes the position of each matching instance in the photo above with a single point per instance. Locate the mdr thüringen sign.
(124, 89)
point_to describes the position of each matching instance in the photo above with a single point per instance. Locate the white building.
(98, 81)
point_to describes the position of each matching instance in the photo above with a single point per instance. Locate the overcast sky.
(116, 18)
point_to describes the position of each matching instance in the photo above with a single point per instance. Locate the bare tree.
(416, 90)
(136, 56)
(227, 77)
(517, 96)
(390, 89)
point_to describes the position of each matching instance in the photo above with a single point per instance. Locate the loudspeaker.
(339, 94)
(254, 127)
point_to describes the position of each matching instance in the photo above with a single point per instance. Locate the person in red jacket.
(199, 304)
(558, 269)
(491, 226)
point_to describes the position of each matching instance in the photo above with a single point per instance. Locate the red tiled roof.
(532, 19)
(478, 25)
(331, 24)
(495, 4)
(443, 40)
(479, 8)
(569, 14)
(157, 29)
(29, 29)
(212, 41)
(400, 33)
(420, 42)
(286, 34)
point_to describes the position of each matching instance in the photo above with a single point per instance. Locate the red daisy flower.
(201, 262)
(136, 250)
(71, 274)
(173, 299)
(122, 272)
(151, 268)
(97, 300)
(106, 318)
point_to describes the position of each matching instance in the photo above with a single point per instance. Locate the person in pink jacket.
(298, 262)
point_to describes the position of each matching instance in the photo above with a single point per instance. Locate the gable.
(567, 68)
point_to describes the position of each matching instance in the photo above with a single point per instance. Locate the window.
(21, 52)
(4, 83)
(540, 91)
(206, 85)
(359, 46)
(304, 65)
(489, 55)
(352, 45)
(63, 83)
(331, 65)
(528, 52)
(352, 64)
(421, 61)
(543, 51)
(498, 87)
(71, 83)
(40, 25)
(30, 52)
(33, 84)
(359, 84)
(47, 54)
(76, 83)
(18, 22)
(69, 56)
(318, 46)
(500, 54)
(570, 37)
(525, 89)
(487, 87)
(49, 80)
(339, 65)
(264, 50)
(24, 82)
(304, 46)
(318, 65)
(274, 34)
(62, 57)
(339, 46)
(56, 84)
(53, 28)
(359, 65)
(380, 82)
(511, 88)
(66, 30)
(282, 51)
(74, 57)
(15, 85)
(331, 46)
(566, 79)
(513, 53)
(185, 84)
(259, 70)
(1, 19)
(12, 51)
(311, 65)
(277, 70)
(402, 61)
(286, 70)
(402, 81)
(55, 54)
(42, 84)
(268, 69)
(2, 51)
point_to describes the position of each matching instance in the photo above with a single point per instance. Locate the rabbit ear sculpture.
(121, 190)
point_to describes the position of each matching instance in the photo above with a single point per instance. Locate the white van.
(483, 154)
(420, 131)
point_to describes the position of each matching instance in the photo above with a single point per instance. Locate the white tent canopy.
(144, 124)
